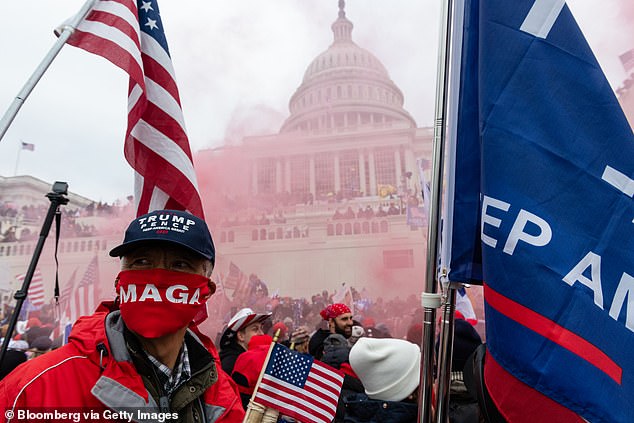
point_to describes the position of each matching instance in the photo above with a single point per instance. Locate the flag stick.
(17, 160)
(430, 298)
(67, 31)
(256, 412)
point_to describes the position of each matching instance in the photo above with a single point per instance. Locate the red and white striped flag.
(299, 386)
(36, 288)
(130, 35)
(82, 299)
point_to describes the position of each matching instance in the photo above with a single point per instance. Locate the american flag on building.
(36, 288)
(130, 35)
(299, 386)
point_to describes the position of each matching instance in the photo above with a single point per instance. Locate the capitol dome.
(345, 87)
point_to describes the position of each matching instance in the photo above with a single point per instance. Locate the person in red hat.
(249, 365)
(339, 318)
(283, 329)
(235, 339)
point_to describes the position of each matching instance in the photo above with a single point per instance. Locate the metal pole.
(430, 298)
(17, 160)
(18, 101)
(445, 354)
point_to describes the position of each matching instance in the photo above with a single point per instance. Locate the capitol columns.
(372, 170)
(362, 187)
(311, 175)
(254, 176)
(287, 174)
(337, 173)
(397, 166)
(278, 175)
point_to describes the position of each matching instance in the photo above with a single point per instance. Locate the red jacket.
(94, 373)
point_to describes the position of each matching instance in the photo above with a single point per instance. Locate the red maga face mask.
(156, 302)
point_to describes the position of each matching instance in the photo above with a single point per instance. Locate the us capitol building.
(325, 201)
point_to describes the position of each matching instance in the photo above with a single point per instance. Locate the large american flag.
(299, 386)
(130, 35)
(36, 288)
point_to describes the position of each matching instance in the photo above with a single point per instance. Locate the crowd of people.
(22, 223)
(146, 351)
(270, 201)
(34, 336)
(368, 212)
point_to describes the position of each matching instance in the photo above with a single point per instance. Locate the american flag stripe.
(326, 380)
(103, 25)
(330, 388)
(153, 198)
(115, 13)
(287, 392)
(164, 163)
(153, 50)
(130, 35)
(122, 49)
(65, 295)
(155, 141)
(167, 128)
(82, 298)
(289, 409)
(324, 387)
(167, 84)
(36, 288)
(99, 22)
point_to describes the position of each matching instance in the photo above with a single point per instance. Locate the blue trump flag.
(541, 209)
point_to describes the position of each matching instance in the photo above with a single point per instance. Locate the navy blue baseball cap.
(175, 226)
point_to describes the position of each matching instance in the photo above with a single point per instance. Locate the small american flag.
(299, 386)
(28, 146)
(36, 288)
(130, 35)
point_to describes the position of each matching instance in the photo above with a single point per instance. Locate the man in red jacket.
(142, 357)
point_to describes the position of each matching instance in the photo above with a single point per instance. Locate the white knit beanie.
(388, 368)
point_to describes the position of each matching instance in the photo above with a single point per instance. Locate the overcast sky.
(237, 64)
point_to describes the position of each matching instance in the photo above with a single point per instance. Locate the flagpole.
(67, 31)
(445, 353)
(17, 160)
(430, 298)
(255, 412)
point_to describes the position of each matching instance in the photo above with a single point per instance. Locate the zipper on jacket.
(103, 352)
(164, 403)
(202, 409)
